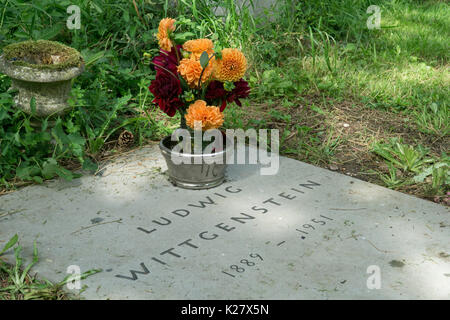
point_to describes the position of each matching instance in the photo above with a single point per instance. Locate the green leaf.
(97, 7)
(383, 152)
(49, 168)
(92, 58)
(180, 38)
(184, 84)
(44, 125)
(10, 244)
(26, 172)
(434, 107)
(38, 179)
(52, 32)
(317, 109)
(65, 174)
(33, 106)
(33, 262)
(76, 139)
(96, 145)
(58, 134)
(89, 165)
(21, 35)
(204, 59)
(4, 114)
(228, 86)
(428, 171)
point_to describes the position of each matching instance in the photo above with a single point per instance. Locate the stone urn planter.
(42, 70)
(194, 171)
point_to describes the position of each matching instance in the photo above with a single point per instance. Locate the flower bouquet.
(194, 80)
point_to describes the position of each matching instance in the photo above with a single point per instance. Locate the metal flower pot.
(198, 171)
(49, 85)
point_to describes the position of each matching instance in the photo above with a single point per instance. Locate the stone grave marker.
(305, 233)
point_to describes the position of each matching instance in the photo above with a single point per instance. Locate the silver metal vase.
(197, 171)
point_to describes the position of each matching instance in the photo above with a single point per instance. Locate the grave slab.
(305, 233)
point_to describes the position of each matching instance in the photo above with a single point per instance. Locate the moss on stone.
(42, 54)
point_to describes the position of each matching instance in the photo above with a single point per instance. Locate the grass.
(373, 104)
(16, 282)
(335, 95)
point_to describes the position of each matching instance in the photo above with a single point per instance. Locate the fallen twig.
(10, 213)
(339, 209)
(384, 251)
(97, 224)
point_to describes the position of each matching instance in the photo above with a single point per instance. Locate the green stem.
(3, 14)
(183, 119)
(176, 51)
(167, 70)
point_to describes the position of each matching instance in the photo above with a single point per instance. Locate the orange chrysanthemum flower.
(210, 116)
(198, 46)
(165, 25)
(191, 69)
(231, 67)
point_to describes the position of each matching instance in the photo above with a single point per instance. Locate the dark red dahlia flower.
(241, 90)
(216, 92)
(166, 89)
(167, 60)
